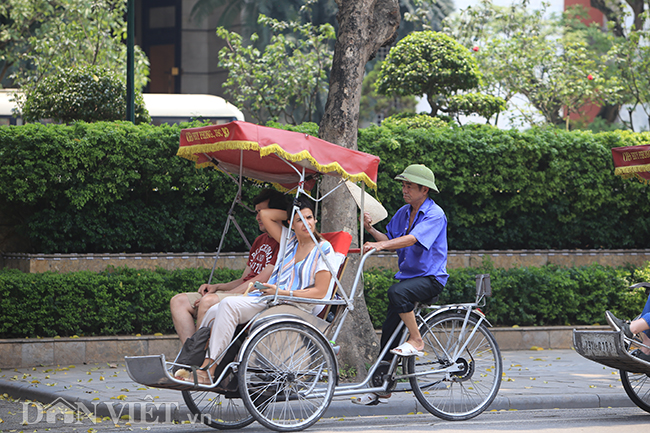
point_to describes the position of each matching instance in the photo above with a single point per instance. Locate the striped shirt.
(296, 276)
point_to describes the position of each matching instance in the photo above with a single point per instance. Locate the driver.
(418, 232)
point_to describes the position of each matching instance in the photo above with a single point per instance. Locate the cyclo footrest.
(151, 371)
(608, 348)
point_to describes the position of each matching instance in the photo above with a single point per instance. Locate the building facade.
(183, 52)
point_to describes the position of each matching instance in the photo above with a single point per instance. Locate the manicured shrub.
(116, 301)
(130, 301)
(88, 93)
(508, 189)
(116, 187)
(550, 295)
(113, 187)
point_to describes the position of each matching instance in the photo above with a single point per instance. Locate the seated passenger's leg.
(206, 302)
(227, 315)
(183, 313)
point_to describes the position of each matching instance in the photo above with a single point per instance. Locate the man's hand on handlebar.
(370, 245)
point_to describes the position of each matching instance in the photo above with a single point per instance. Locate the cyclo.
(612, 348)
(281, 368)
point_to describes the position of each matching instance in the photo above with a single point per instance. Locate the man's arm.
(262, 277)
(224, 287)
(367, 224)
(391, 244)
(272, 220)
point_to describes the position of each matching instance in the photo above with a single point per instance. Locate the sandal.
(406, 349)
(201, 377)
(371, 399)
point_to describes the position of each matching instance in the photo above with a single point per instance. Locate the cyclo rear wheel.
(218, 411)
(471, 379)
(287, 376)
(637, 387)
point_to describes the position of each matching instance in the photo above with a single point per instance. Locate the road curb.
(21, 353)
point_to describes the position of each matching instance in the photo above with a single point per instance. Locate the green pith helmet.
(420, 174)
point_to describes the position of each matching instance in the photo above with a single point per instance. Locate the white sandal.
(406, 349)
(371, 399)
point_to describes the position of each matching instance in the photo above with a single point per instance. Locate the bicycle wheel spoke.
(461, 385)
(637, 387)
(289, 375)
(217, 410)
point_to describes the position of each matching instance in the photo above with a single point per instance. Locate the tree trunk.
(364, 27)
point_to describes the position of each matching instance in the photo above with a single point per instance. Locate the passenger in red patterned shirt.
(188, 307)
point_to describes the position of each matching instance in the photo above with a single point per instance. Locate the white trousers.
(225, 316)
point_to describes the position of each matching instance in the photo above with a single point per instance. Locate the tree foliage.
(90, 94)
(375, 107)
(288, 79)
(552, 61)
(630, 57)
(418, 14)
(434, 64)
(39, 38)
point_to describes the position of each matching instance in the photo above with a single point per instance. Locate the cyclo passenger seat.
(341, 242)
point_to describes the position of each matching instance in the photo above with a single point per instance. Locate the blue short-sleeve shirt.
(428, 256)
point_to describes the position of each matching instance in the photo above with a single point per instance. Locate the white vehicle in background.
(8, 108)
(174, 108)
(162, 107)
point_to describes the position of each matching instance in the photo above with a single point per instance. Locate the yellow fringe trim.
(190, 152)
(632, 169)
(635, 175)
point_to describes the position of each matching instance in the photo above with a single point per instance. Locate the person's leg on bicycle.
(637, 326)
(402, 297)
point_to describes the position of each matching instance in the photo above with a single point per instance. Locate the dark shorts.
(402, 297)
(404, 294)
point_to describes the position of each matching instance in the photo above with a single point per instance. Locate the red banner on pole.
(632, 161)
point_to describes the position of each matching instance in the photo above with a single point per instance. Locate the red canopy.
(632, 161)
(264, 153)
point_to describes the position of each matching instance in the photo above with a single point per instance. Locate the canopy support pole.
(230, 217)
(361, 218)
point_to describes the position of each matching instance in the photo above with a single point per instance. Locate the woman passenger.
(302, 272)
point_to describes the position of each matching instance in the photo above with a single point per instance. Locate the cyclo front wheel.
(287, 376)
(465, 374)
(218, 411)
(637, 387)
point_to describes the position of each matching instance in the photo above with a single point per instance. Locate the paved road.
(602, 420)
(532, 380)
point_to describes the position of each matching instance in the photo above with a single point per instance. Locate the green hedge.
(116, 301)
(112, 187)
(127, 301)
(550, 295)
(508, 189)
(116, 187)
